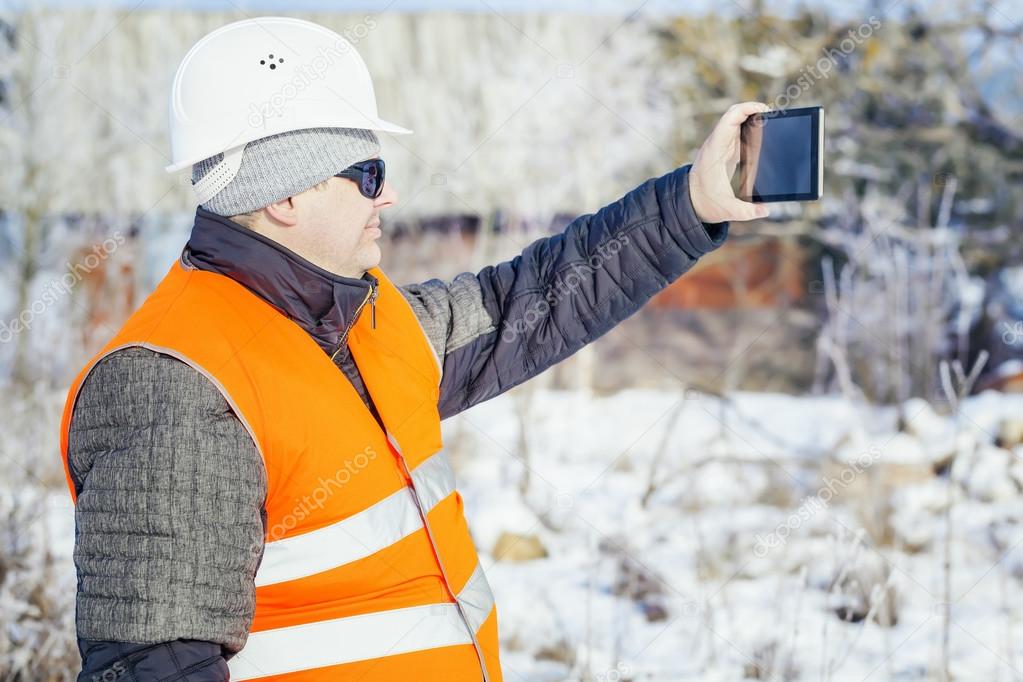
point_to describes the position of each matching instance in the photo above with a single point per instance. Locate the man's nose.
(388, 196)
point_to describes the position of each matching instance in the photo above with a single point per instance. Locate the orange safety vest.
(368, 571)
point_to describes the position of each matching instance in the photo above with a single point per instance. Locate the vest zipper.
(440, 562)
(371, 298)
(373, 305)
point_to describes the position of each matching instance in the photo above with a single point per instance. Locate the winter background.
(803, 461)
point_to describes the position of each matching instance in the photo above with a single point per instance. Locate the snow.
(1012, 280)
(694, 538)
(724, 609)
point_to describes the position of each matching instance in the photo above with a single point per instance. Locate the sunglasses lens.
(373, 178)
(369, 176)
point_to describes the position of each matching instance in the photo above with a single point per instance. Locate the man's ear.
(284, 212)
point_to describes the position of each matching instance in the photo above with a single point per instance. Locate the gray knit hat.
(279, 166)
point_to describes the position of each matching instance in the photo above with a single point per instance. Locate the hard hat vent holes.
(280, 60)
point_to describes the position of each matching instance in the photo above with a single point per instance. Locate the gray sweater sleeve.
(169, 521)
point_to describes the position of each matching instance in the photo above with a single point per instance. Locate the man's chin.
(370, 256)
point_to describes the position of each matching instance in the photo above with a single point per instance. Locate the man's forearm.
(511, 321)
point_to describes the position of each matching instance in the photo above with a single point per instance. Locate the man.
(256, 457)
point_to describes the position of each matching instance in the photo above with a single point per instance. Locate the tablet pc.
(781, 156)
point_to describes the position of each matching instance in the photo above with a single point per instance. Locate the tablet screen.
(780, 156)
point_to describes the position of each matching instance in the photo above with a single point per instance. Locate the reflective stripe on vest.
(372, 635)
(361, 535)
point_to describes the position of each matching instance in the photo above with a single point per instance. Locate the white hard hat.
(264, 76)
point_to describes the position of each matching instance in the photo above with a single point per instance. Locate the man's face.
(340, 227)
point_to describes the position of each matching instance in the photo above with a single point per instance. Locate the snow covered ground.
(690, 538)
(745, 560)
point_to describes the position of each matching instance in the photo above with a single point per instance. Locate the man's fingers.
(726, 133)
(722, 139)
(738, 113)
(743, 210)
(710, 185)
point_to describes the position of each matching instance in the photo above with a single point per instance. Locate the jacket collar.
(322, 303)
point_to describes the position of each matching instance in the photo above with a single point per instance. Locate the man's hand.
(710, 178)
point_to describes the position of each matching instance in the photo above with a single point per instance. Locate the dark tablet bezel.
(816, 115)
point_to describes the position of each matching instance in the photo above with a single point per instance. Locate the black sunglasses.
(368, 175)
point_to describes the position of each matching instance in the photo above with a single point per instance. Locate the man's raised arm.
(511, 321)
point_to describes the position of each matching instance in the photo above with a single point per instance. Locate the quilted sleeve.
(169, 521)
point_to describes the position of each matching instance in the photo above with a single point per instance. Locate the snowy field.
(667, 535)
(675, 536)
(787, 547)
